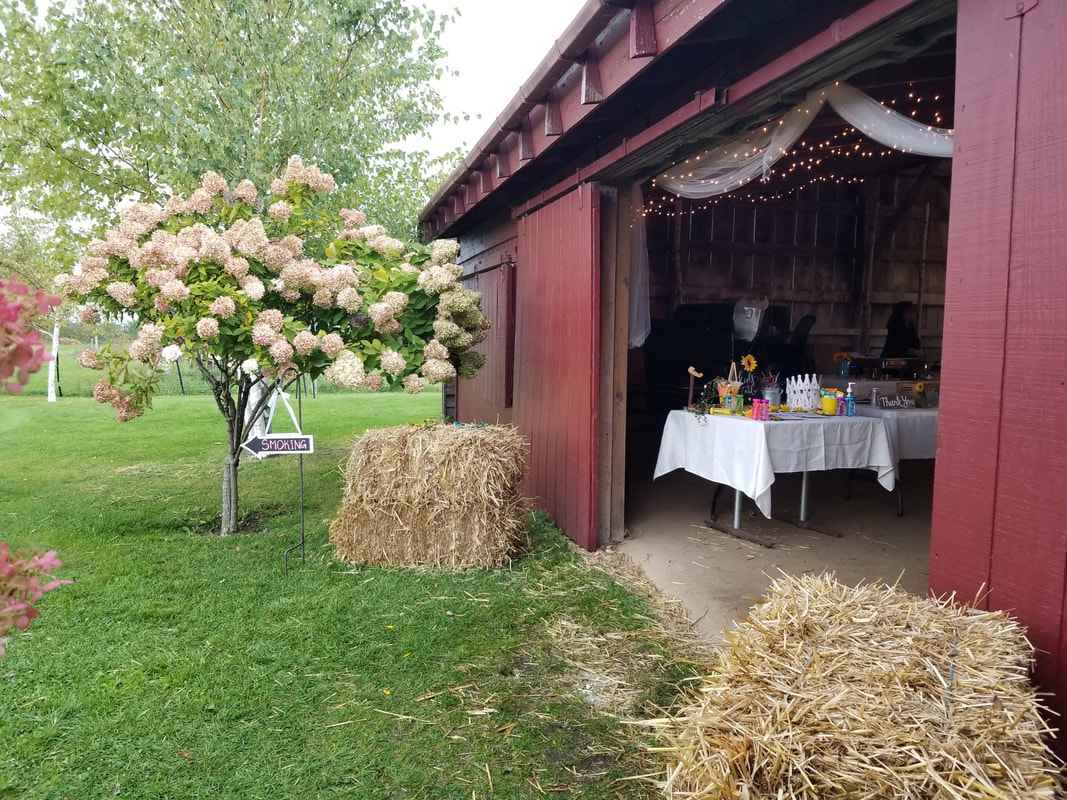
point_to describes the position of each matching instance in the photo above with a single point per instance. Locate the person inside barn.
(902, 335)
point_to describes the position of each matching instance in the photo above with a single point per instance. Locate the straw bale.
(440, 495)
(827, 691)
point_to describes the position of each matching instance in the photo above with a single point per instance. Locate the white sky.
(494, 45)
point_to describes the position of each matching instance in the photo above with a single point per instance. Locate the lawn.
(184, 665)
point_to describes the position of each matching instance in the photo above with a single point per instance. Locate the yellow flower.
(842, 356)
(749, 363)
(919, 387)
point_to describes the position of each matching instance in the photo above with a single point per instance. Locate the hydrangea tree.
(260, 289)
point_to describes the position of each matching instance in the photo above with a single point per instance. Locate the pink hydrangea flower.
(213, 183)
(272, 318)
(223, 307)
(332, 344)
(264, 335)
(124, 293)
(89, 359)
(253, 287)
(280, 211)
(207, 328)
(281, 351)
(246, 192)
(305, 342)
(175, 290)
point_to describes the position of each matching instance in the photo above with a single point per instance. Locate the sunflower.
(749, 363)
(919, 387)
(842, 355)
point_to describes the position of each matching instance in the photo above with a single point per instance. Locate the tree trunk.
(53, 364)
(228, 524)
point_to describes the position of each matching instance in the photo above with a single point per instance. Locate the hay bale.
(440, 495)
(827, 691)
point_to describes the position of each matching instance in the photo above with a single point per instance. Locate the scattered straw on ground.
(868, 692)
(442, 495)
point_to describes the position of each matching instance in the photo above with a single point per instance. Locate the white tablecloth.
(912, 431)
(738, 452)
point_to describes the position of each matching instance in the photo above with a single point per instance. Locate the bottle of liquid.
(874, 397)
(850, 402)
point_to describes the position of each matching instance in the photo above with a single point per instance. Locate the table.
(738, 452)
(912, 431)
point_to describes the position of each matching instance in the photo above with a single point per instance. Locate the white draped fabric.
(640, 316)
(731, 165)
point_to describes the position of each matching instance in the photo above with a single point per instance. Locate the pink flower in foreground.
(21, 587)
(374, 382)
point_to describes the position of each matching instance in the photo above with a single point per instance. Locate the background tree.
(34, 249)
(259, 290)
(103, 100)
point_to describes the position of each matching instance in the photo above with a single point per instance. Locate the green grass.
(183, 665)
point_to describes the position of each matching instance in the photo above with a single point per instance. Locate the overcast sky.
(494, 45)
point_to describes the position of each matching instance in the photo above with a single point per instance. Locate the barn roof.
(633, 86)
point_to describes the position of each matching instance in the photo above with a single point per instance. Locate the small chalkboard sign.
(900, 401)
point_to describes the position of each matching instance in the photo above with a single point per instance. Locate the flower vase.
(843, 368)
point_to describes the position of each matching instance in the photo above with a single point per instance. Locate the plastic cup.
(829, 405)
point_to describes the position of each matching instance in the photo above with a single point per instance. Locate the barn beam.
(642, 30)
(553, 118)
(503, 166)
(485, 175)
(526, 148)
(592, 89)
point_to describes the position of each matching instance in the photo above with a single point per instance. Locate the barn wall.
(999, 503)
(556, 355)
(806, 253)
(489, 266)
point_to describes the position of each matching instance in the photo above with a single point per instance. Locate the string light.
(804, 159)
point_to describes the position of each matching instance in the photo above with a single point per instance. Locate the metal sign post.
(279, 444)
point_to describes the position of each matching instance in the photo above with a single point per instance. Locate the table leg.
(737, 509)
(804, 497)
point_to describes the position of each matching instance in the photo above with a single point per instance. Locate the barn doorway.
(842, 230)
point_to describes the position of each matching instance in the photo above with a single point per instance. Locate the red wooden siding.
(557, 341)
(1000, 504)
(488, 396)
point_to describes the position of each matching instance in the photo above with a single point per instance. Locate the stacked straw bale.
(827, 691)
(440, 495)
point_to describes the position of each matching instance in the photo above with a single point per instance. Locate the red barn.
(576, 223)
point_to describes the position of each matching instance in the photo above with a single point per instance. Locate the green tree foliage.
(109, 99)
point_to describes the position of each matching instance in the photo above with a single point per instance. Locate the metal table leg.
(804, 497)
(737, 509)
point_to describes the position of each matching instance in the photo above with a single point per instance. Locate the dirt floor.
(718, 577)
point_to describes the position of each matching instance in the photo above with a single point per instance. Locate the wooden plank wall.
(807, 252)
(488, 397)
(999, 499)
(557, 351)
